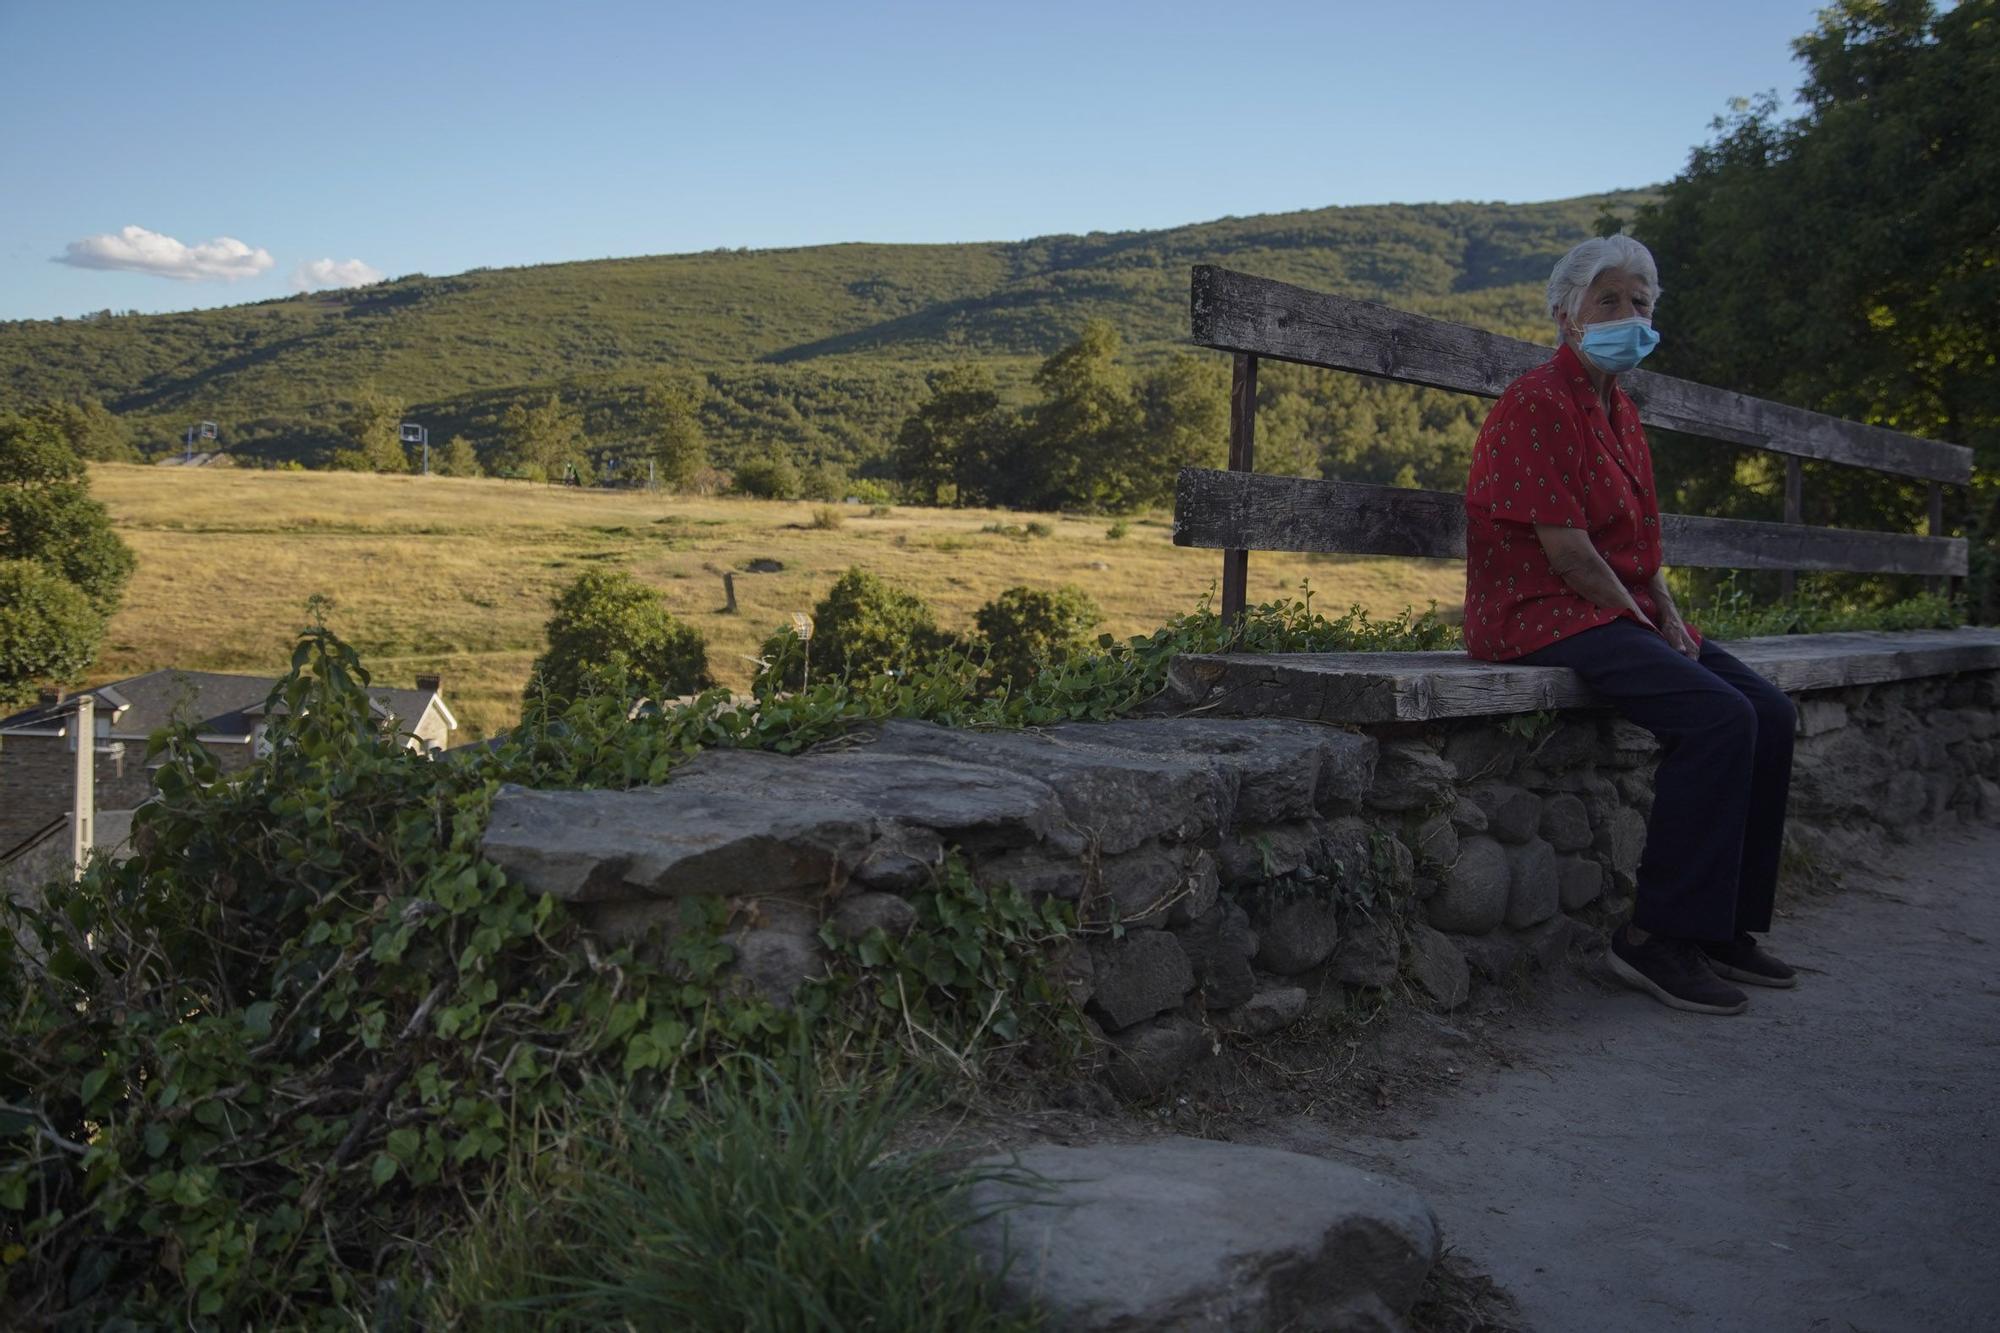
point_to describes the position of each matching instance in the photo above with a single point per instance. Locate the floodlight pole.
(411, 433)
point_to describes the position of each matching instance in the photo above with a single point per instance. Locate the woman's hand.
(1676, 632)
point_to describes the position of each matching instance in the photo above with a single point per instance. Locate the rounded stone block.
(1566, 823)
(1532, 891)
(1473, 897)
(1295, 935)
(1579, 881)
(1143, 974)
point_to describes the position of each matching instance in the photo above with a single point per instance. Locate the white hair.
(1575, 271)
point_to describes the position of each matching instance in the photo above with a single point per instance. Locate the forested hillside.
(818, 352)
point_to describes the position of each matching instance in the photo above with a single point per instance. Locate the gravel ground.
(1829, 1160)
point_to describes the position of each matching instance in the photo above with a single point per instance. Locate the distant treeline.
(816, 356)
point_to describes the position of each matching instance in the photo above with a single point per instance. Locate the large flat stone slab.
(1422, 687)
(1185, 1234)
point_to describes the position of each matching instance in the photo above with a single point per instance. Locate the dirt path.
(1828, 1161)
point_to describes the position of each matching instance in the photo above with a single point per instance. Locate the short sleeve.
(1536, 468)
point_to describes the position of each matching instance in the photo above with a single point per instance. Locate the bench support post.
(1795, 512)
(1941, 586)
(1242, 452)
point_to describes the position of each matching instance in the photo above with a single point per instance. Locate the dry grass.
(437, 574)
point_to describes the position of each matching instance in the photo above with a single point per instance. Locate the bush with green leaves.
(48, 630)
(1818, 607)
(770, 478)
(47, 515)
(458, 459)
(862, 626)
(824, 481)
(611, 634)
(1025, 629)
(256, 1074)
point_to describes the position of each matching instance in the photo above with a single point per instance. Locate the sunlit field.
(441, 575)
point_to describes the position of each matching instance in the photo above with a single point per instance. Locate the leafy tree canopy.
(48, 629)
(1848, 260)
(1025, 629)
(611, 634)
(47, 515)
(674, 439)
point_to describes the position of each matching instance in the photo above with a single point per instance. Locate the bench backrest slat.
(1236, 312)
(1263, 512)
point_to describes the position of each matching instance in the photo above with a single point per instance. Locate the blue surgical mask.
(1617, 345)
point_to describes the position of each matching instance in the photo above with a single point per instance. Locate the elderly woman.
(1562, 558)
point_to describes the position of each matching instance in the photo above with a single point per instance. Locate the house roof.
(219, 705)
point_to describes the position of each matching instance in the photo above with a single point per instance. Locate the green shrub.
(862, 626)
(257, 1074)
(871, 492)
(827, 518)
(610, 634)
(771, 478)
(1731, 613)
(778, 1203)
(1025, 629)
(48, 630)
(1117, 531)
(1037, 528)
(824, 481)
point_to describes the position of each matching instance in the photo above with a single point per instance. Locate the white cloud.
(317, 273)
(140, 251)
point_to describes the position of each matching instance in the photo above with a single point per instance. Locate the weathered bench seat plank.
(1424, 687)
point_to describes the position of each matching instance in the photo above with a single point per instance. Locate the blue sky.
(338, 141)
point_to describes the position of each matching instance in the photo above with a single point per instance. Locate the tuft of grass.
(1037, 528)
(827, 519)
(1117, 531)
(780, 1202)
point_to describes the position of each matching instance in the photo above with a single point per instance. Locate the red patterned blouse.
(1549, 453)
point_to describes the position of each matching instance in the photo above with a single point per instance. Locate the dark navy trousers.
(1710, 868)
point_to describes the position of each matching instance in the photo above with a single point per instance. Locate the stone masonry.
(1245, 860)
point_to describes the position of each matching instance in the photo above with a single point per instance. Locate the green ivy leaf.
(384, 1170)
(257, 1018)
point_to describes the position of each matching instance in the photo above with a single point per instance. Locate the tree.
(1183, 422)
(374, 431)
(1077, 442)
(92, 430)
(1025, 629)
(944, 451)
(47, 515)
(771, 478)
(675, 442)
(544, 442)
(1848, 261)
(49, 631)
(460, 459)
(861, 627)
(612, 634)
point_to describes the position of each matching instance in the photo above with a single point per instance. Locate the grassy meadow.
(436, 574)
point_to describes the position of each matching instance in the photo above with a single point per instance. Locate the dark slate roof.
(224, 705)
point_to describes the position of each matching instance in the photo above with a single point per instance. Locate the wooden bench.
(1238, 511)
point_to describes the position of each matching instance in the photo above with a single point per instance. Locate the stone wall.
(1243, 861)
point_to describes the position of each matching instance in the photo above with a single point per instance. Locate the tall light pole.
(200, 430)
(415, 434)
